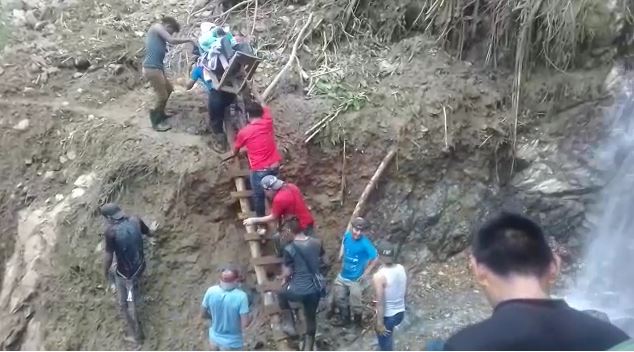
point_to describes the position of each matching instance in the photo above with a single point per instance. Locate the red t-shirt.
(288, 201)
(259, 139)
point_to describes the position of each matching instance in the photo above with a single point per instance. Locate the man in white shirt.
(390, 287)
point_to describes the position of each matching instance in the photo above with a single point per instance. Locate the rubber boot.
(156, 118)
(309, 343)
(288, 323)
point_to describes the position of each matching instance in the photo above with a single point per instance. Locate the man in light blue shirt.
(359, 257)
(228, 309)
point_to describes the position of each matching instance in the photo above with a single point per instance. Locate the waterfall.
(605, 281)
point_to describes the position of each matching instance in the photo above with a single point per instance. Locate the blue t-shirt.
(356, 255)
(225, 308)
(197, 75)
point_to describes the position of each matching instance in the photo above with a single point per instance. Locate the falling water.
(606, 280)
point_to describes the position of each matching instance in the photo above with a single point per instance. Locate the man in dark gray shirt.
(156, 41)
(303, 258)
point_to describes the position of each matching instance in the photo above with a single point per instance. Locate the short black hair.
(512, 244)
(171, 21)
(292, 224)
(254, 109)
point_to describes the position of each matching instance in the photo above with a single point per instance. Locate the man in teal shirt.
(359, 257)
(228, 309)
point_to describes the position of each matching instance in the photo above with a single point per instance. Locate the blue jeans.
(258, 192)
(386, 342)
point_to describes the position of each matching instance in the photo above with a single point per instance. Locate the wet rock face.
(554, 186)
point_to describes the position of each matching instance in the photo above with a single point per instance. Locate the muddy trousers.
(348, 295)
(133, 327)
(259, 198)
(162, 87)
(310, 303)
(217, 103)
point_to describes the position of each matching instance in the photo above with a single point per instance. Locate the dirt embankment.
(450, 119)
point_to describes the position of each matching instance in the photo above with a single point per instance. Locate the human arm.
(169, 38)
(379, 294)
(341, 249)
(287, 266)
(245, 317)
(108, 253)
(373, 256)
(260, 220)
(145, 229)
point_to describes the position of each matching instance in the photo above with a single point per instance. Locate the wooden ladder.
(260, 261)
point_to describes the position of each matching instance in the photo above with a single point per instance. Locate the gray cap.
(270, 182)
(112, 211)
(360, 223)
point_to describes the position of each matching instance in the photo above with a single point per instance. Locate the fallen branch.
(323, 123)
(255, 18)
(371, 185)
(292, 57)
(444, 113)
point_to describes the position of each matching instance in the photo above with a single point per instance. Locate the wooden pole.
(255, 248)
(299, 40)
(371, 185)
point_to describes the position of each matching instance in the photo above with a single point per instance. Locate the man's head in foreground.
(511, 259)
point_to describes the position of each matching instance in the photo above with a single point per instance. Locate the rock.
(85, 180)
(40, 25)
(49, 174)
(22, 125)
(260, 27)
(32, 4)
(10, 5)
(118, 69)
(80, 90)
(206, 14)
(65, 103)
(59, 197)
(77, 192)
(62, 159)
(82, 64)
(30, 18)
(78, 75)
(71, 155)
(28, 162)
(19, 19)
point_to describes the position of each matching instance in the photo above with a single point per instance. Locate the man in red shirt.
(258, 138)
(287, 201)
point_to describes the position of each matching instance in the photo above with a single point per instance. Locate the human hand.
(380, 329)
(249, 222)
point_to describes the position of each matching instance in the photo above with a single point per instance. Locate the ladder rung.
(242, 194)
(253, 236)
(272, 309)
(269, 286)
(235, 172)
(267, 260)
(243, 216)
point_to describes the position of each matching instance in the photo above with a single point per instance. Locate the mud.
(53, 295)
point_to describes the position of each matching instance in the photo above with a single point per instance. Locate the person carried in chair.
(216, 46)
(124, 237)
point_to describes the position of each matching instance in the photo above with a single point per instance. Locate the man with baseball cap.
(390, 289)
(359, 257)
(124, 237)
(287, 201)
(227, 307)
